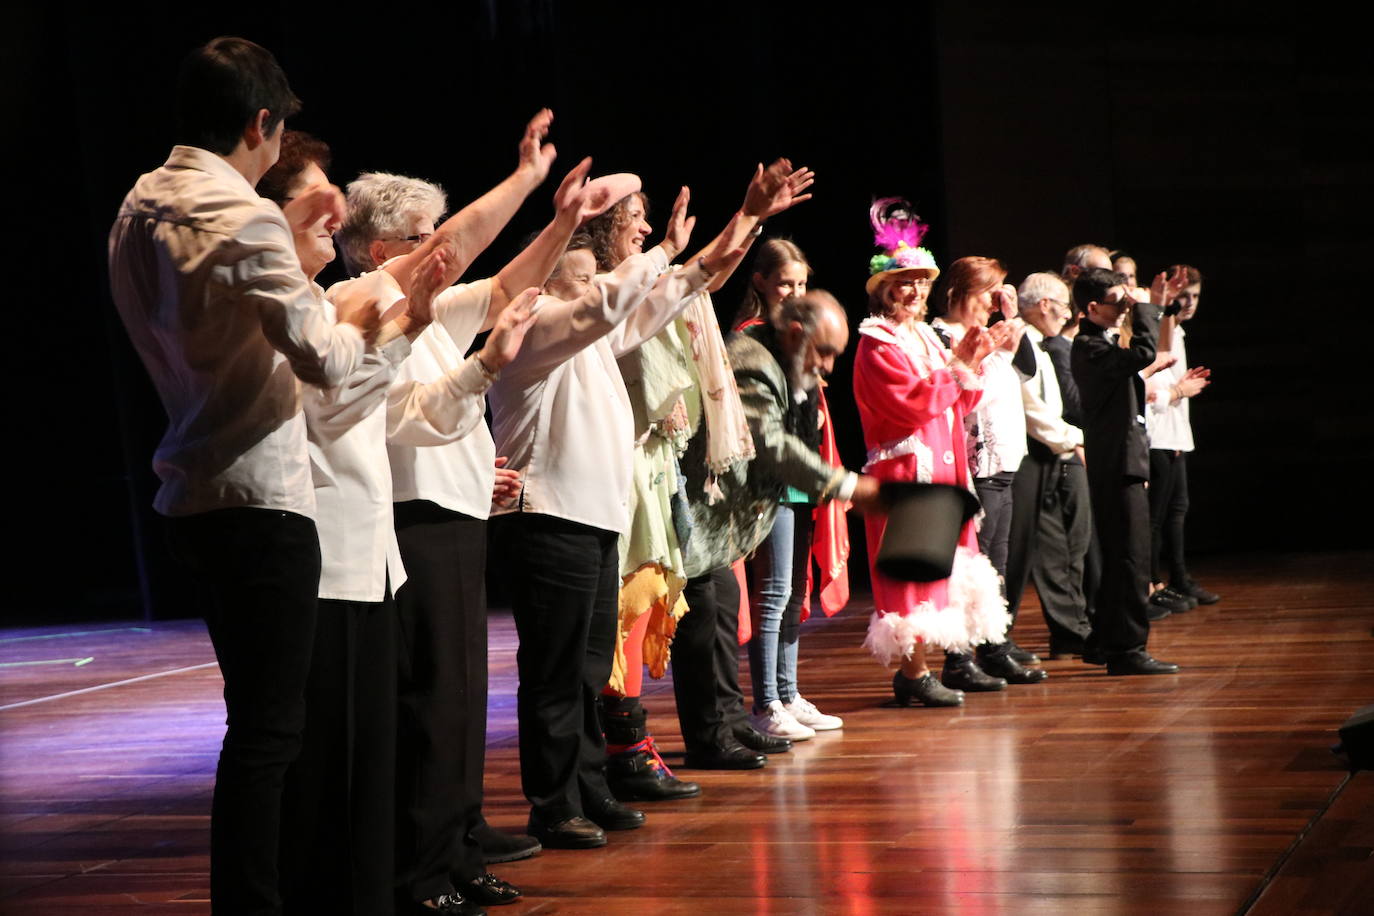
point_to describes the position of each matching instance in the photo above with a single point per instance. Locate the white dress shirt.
(1044, 404)
(560, 410)
(1166, 421)
(348, 427)
(458, 472)
(205, 276)
(999, 421)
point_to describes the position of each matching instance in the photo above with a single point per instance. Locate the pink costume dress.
(912, 396)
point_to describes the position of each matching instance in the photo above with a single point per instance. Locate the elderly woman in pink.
(912, 395)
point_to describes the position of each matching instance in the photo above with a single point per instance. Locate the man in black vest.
(1118, 458)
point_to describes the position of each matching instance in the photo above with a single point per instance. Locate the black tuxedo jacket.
(1113, 396)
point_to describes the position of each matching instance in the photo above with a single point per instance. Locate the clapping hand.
(509, 331)
(305, 209)
(1168, 286)
(680, 225)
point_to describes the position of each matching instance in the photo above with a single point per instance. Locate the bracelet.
(484, 369)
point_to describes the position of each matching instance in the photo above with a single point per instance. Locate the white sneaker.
(778, 722)
(804, 713)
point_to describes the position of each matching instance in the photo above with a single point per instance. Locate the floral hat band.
(898, 232)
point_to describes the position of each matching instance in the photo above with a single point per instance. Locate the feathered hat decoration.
(898, 231)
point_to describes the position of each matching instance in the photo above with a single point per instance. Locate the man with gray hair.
(1051, 522)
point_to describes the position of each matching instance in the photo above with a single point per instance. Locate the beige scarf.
(728, 440)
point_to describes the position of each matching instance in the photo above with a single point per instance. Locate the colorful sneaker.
(805, 712)
(778, 722)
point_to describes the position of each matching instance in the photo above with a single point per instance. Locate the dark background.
(1216, 134)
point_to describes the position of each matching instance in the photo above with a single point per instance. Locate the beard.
(797, 376)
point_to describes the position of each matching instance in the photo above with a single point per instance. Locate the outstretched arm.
(468, 232)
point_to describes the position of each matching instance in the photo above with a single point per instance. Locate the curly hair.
(298, 150)
(603, 229)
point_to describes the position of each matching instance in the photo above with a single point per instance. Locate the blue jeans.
(778, 586)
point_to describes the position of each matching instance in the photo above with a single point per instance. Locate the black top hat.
(923, 525)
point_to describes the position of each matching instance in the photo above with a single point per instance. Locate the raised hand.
(977, 343)
(680, 225)
(1168, 286)
(509, 331)
(777, 188)
(1004, 300)
(305, 209)
(535, 155)
(569, 197)
(1162, 361)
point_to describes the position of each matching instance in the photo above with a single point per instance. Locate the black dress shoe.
(447, 905)
(609, 814)
(733, 756)
(570, 833)
(1166, 601)
(1010, 670)
(500, 846)
(1138, 662)
(489, 890)
(1196, 592)
(926, 689)
(756, 740)
(1021, 656)
(639, 774)
(965, 675)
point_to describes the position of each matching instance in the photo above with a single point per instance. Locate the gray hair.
(1043, 285)
(379, 206)
(1077, 256)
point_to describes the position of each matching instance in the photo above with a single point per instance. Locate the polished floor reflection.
(1211, 791)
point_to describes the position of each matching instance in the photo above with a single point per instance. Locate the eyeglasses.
(919, 283)
(417, 239)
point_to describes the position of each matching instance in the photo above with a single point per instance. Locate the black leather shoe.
(1022, 656)
(1010, 670)
(489, 890)
(967, 676)
(500, 846)
(1166, 601)
(756, 740)
(570, 833)
(925, 689)
(609, 814)
(447, 905)
(1196, 592)
(1138, 662)
(639, 774)
(733, 756)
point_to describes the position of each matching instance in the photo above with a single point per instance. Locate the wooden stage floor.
(1212, 791)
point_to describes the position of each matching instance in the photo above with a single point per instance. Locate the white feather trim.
(977, 613)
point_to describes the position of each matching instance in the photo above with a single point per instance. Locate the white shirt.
(205, 276)
(348, 427)
(1044, 404)
(1166, 420)
(456, 473)
(560, 410)
(997, 427)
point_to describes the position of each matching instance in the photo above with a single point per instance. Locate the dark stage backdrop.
(1238, 144)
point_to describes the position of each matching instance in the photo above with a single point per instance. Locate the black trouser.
(706, 661)
(442, 697)
(338, 812)
(995, 493)
(1051, 525)
(261, 571)
(1121, 511)
(1168, 512)
(565, 580)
